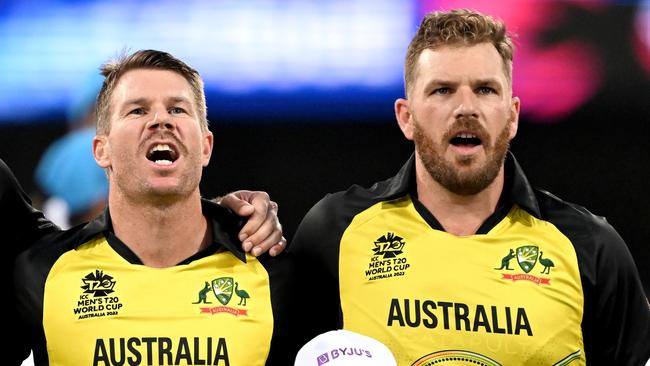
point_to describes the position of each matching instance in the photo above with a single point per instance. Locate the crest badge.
(223, 289)
(527, 257)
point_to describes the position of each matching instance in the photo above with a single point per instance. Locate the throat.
(461, 227)
(460, 215)
(162, 238)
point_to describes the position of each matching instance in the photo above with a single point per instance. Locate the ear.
(101, 151)
(403, 116)
(515, 106)
(208, 140)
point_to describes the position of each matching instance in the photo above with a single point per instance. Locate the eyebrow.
(178, 100)
(487, 81)
(440, 82)
(169, 99)
(447, 83)
(135, 101)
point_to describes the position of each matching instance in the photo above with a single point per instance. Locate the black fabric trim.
(426, 214)
(122, 249)
(30, 272)
(225, 227)
(21, 225)
(285, 303)
(516, 190)
(519, 191)
(503, 207)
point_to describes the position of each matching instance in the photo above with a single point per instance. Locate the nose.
(467, 104)
(161, 120)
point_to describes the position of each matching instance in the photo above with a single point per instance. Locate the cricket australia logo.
(100, 285)
(223, 289)
(528, 256)
(386, 260)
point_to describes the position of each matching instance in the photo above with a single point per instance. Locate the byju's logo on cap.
(323, 359)
(343, 352)
(344, 348)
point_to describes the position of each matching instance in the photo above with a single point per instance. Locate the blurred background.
(300, 95)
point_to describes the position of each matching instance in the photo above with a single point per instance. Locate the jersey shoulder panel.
(616, 323)
(315, 252)
(324, 224)
(31, 269)
(20, 223)
(284, 303)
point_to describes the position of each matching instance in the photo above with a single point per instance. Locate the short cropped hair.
(146, 59)
(457, 28)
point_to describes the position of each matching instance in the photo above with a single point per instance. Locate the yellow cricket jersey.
(87, 300)
(542, 282)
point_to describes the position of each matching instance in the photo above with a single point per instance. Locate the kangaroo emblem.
(203, 295)
(505, 262)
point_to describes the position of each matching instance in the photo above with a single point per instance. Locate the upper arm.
(616, 325)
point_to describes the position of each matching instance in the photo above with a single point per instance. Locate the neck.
(459, 215)
(161, 235)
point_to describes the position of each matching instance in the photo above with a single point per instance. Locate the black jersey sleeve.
(21, 225)
(616, 319)
(616, 322)
(315, 252)
(283, 300)
(20, 222)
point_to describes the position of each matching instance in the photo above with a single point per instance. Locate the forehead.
(151, 84)
(460, 63)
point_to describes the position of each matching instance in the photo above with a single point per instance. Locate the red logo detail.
(527, 277)
(225, 309)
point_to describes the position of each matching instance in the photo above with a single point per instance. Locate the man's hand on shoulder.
(263, 231)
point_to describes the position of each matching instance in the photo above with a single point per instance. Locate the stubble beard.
(137, 189)
(470, 181)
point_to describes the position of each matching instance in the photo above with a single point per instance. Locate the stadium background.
(300, 93)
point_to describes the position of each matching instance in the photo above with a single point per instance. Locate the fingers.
(268, 235)
(260, 222)
(278, 248)
(273, 239)
(238, 202)
(263, 231)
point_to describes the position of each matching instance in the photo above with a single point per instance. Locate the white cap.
(343, 347)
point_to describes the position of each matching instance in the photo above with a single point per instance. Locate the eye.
(137, 111)
(441, 91)
(486, 90)
(176, 110)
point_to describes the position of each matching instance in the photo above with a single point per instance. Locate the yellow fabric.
(472, 310)
(152, 316)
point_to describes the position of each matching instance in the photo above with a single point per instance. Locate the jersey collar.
(517, 189)
(225, 226)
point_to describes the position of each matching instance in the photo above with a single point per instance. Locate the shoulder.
(597, 244)
(41, 256)
(341, 207)
(224, 221)
(617, 315)
(330, 216)
(20, 223)
(581, 226)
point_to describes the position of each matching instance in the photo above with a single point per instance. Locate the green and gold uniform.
(542, 282)
(86, 299)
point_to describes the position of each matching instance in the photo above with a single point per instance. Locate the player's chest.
(112, 313)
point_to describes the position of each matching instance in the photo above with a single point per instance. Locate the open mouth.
(465, 140)
(162, 154)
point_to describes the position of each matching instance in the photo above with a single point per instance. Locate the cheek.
(121, 145)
